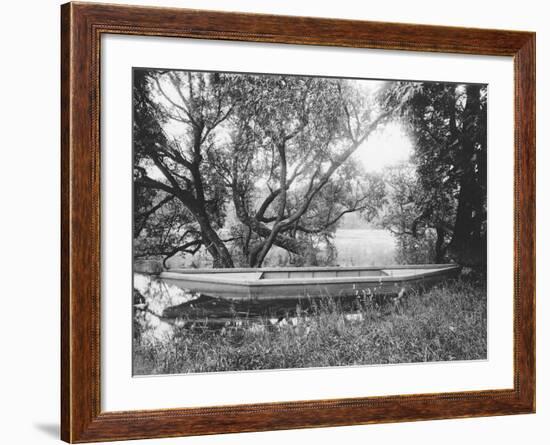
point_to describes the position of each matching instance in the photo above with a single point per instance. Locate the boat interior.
(267, 275)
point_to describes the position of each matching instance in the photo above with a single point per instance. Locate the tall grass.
(447, 322)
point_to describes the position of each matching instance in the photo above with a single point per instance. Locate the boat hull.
(297, 283)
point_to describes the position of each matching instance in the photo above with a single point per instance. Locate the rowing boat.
(300, 282)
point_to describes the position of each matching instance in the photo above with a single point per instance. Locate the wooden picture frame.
(82, 25)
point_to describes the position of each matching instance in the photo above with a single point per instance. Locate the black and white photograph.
(289, 221)
(279, 222)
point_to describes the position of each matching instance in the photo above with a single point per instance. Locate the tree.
(298, 135)
(448, 122)
(164, 230)
(276, 148)
(200, 102)
(420, 237)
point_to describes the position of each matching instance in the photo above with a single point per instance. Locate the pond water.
(354, 247)
(152, 296)
(360, 247)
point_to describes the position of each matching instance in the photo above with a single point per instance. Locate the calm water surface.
(359, 247)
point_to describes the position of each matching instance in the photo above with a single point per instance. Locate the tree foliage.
(236, 165)
(275, 150)
(448, 124)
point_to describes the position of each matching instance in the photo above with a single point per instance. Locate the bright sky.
(388, 146)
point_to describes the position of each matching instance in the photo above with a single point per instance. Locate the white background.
(30, 220)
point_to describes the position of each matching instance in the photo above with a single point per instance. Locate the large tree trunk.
(439, 245)
(468, 244)
(284, 241)
(221, 257)
(215, 246)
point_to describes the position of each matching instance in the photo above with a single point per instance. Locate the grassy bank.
(447, 322)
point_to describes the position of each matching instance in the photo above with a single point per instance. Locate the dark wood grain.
(81, 416)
